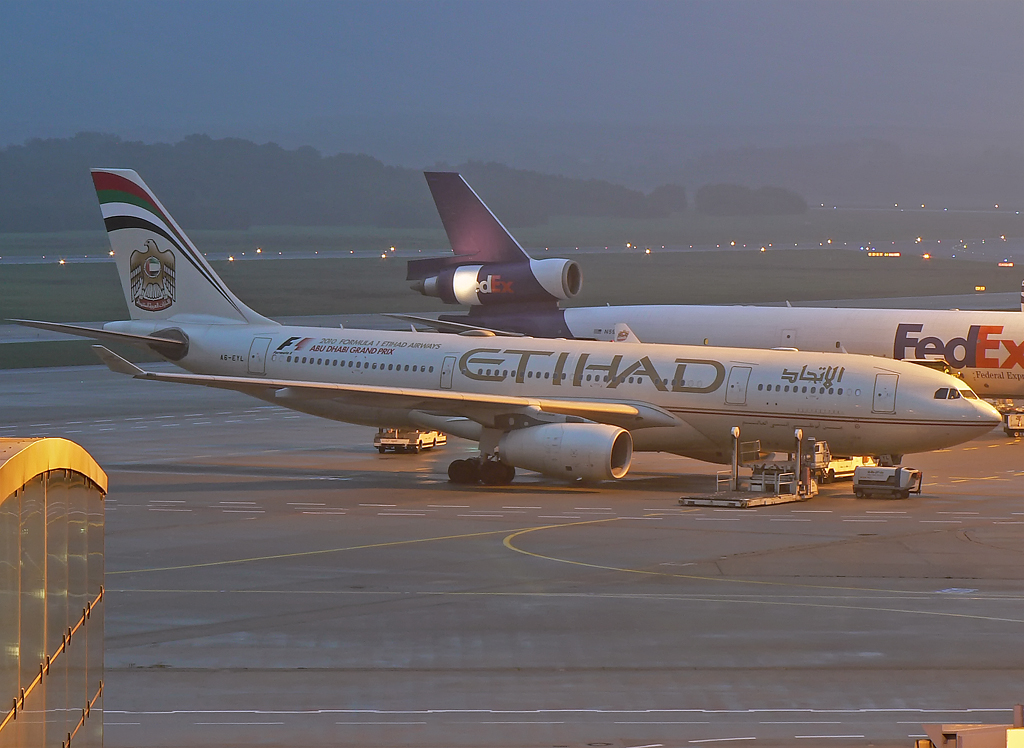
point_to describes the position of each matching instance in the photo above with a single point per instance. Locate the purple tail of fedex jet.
(489, 271)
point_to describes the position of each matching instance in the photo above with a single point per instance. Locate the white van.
(407, 440)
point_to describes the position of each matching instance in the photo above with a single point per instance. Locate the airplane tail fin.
(474, 232)
(162, 273)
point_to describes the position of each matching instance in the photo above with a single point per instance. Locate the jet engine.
(591, 451)
(501, 283)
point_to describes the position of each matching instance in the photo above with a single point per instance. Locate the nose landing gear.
(488, 472)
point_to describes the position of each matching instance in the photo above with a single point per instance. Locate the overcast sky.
(246, 68)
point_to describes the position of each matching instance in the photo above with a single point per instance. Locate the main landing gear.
(488, 472)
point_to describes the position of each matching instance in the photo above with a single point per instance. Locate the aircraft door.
(447, 369)
(885, 393)
(258, 355)
(736, 392)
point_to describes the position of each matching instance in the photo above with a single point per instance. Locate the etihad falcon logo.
(152, 278)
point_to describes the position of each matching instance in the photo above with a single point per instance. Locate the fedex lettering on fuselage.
(981, 348)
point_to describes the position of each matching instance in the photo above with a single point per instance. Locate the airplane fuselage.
(689, 396)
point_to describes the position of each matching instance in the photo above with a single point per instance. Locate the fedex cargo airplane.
(565, 408)
(508, 291)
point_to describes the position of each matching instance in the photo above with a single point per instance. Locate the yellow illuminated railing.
(44, 670)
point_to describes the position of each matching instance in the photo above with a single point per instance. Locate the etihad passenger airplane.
(566, 408)
(508, 291)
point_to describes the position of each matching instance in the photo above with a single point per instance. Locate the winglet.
(115, 363)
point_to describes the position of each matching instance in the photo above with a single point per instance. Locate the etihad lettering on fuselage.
(497, 365)
(980, 349)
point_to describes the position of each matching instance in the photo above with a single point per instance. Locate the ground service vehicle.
(828, 467)
(886, 482)
(1013, 424)
(407, 440)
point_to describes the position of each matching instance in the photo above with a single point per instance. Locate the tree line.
(232, 183)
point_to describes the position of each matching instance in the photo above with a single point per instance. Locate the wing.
(492, 411)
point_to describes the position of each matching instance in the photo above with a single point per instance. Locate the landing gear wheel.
(859, 494)
(416, 449)
(464, 472)
(494, 473)
(381, 450)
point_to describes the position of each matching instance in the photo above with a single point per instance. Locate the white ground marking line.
(647, 745)
(72, 431)
(243, 503)
(811, 511)
(825, 737)
(643, 518)
(556, 516)
(379, 723)
(718, 519)
(940, 521)
(167, 509)
(305, 503)
(238, 723)
(245, 511)
(787, 519)
(383, 505)
(718, 740)
(401, 514)
(98, 421)
(522, 722)
(112, 429)
(865, 520)
(135, 418)
(504, 507)
(478, 516)
(110, 724)
(593, 508)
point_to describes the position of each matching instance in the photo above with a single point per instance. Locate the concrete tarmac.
(273, 581)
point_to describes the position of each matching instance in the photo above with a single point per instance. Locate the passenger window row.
(358, 364)
(801, 390)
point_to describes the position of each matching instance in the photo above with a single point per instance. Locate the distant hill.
(233, 184)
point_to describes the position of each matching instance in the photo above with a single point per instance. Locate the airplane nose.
(987, 413)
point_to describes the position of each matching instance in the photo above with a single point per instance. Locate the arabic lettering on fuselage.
(826, 376)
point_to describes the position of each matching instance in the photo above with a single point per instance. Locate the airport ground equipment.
(886, 482)
(407, 440)
(828, 467)
(51, 594)
(1013, 423)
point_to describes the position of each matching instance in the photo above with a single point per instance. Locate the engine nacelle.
(501, 283)
(591, 451)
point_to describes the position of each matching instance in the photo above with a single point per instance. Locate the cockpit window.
(942, 393)
(969, 394)
(954, 394)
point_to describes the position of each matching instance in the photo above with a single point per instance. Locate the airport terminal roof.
(23, 459)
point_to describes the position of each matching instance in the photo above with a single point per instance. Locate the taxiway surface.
(272, 580)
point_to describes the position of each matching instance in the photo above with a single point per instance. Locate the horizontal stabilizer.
(448, 326)
(172, 348)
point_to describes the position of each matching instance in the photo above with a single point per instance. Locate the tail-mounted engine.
(499, 283)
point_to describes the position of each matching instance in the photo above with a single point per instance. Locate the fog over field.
(861, 102)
